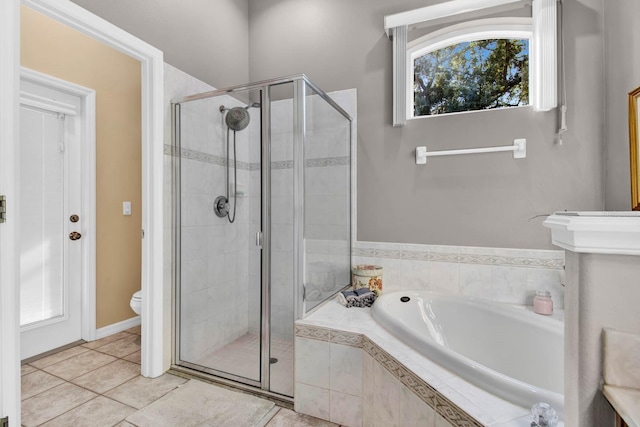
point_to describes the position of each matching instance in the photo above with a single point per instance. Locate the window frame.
(482, 29)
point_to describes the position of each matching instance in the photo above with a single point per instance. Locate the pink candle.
(542, 303)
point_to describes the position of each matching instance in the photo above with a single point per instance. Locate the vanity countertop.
(626, 402)
(622, 374)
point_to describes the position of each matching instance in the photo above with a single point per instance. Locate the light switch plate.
(126, 208)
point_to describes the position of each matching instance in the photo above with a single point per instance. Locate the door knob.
(74, 235)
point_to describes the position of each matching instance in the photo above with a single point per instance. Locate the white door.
(51, 219)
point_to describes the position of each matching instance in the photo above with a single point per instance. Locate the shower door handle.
(259, 239)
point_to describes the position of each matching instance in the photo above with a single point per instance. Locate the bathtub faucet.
(544, 415)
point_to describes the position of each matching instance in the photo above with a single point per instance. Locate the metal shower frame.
(301, 83)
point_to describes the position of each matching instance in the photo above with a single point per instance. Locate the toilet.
(136, 302)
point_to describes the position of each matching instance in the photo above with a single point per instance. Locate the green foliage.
(476, 75)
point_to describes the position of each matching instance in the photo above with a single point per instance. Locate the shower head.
(237, 118)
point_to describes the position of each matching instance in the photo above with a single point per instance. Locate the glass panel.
(42, 228)
(475, 75)
(326, 200)
(282, 239)
(219, 324)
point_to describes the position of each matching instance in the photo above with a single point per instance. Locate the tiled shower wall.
(326, 200)
(327, 196)
(220, 262)
(215, 254)
(326, 171)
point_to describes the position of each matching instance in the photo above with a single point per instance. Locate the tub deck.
(484, 407)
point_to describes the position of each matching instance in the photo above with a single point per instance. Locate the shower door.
(261, 239)
(219, 275)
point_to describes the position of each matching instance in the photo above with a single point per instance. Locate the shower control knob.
(221, 206)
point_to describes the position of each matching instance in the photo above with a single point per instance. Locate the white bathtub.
(510, 352)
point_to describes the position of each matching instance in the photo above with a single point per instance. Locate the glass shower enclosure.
(261, 191)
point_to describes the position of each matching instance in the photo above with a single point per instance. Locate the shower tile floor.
(99, 384)
(241, 357)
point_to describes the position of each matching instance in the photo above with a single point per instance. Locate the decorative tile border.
(475, 259)
(199, 156)
(440, 256)
(345, 338)
(186, 153)
(441, 404)
(312, 333)
(281, 164)
(329, 335)
(429, 395)
(326, 162)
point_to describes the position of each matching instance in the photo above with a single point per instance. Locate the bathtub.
(508, 351)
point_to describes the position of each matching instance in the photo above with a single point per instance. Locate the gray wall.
(482, 200)
(622, 44)
(207, 39)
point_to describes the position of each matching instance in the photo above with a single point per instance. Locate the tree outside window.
(475, 75)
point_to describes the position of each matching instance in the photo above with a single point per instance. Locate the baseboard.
(117, 327)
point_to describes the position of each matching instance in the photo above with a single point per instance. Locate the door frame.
(9, 238)
(64, 11)
(87, 117)
(151, 59)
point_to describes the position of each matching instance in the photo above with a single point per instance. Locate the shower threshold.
(191, 373)
(236, 360)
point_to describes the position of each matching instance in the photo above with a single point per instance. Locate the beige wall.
(57, 50)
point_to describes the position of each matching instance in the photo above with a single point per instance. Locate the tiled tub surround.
(502, 275)
(351, 371)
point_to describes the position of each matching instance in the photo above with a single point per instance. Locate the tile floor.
(242, 357)
(99, 384)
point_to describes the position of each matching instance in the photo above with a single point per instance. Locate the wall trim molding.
(441, 11)
(152, 65)
(117, 327)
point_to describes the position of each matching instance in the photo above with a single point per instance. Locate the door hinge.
(3, 218)
(4, 422)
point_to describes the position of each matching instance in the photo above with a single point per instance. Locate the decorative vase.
(367, 276)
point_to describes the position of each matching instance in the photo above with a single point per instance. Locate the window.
(477, 75)
(533, 68)
(478, 65)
